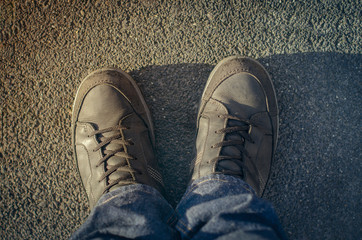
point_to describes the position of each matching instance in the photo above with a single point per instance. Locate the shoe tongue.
(231, 164)
(114, 160)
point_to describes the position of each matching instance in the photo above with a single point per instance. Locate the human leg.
(237, 128)
(129, 212)
(113, 148)
(220, 206)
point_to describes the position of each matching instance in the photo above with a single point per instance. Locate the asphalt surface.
(312, 50)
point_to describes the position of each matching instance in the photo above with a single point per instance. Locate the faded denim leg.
(133, 211)
(225, 207)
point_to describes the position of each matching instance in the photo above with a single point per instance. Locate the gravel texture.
(312, 50)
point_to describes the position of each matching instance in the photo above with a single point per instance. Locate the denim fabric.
(225, 207)
(213, 207)
(133, 211)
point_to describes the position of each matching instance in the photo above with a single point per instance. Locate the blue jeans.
(213, 207)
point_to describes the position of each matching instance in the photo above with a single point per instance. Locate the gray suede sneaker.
(113, 135)
(237, 123)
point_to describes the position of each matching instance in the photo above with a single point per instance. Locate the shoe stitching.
(232, 72)
(86, 126)
(224, 77)
(198, 158)
(95, 83)
(90, 176)
(154, 174)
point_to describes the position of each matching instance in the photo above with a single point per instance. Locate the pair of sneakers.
(113, 135)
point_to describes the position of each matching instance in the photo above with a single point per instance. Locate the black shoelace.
(242, 131)
(123, 166)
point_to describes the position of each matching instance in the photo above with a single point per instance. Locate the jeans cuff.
(126, 189)
(228, 179)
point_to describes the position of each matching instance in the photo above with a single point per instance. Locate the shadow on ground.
(315, 178)
(315, 181)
